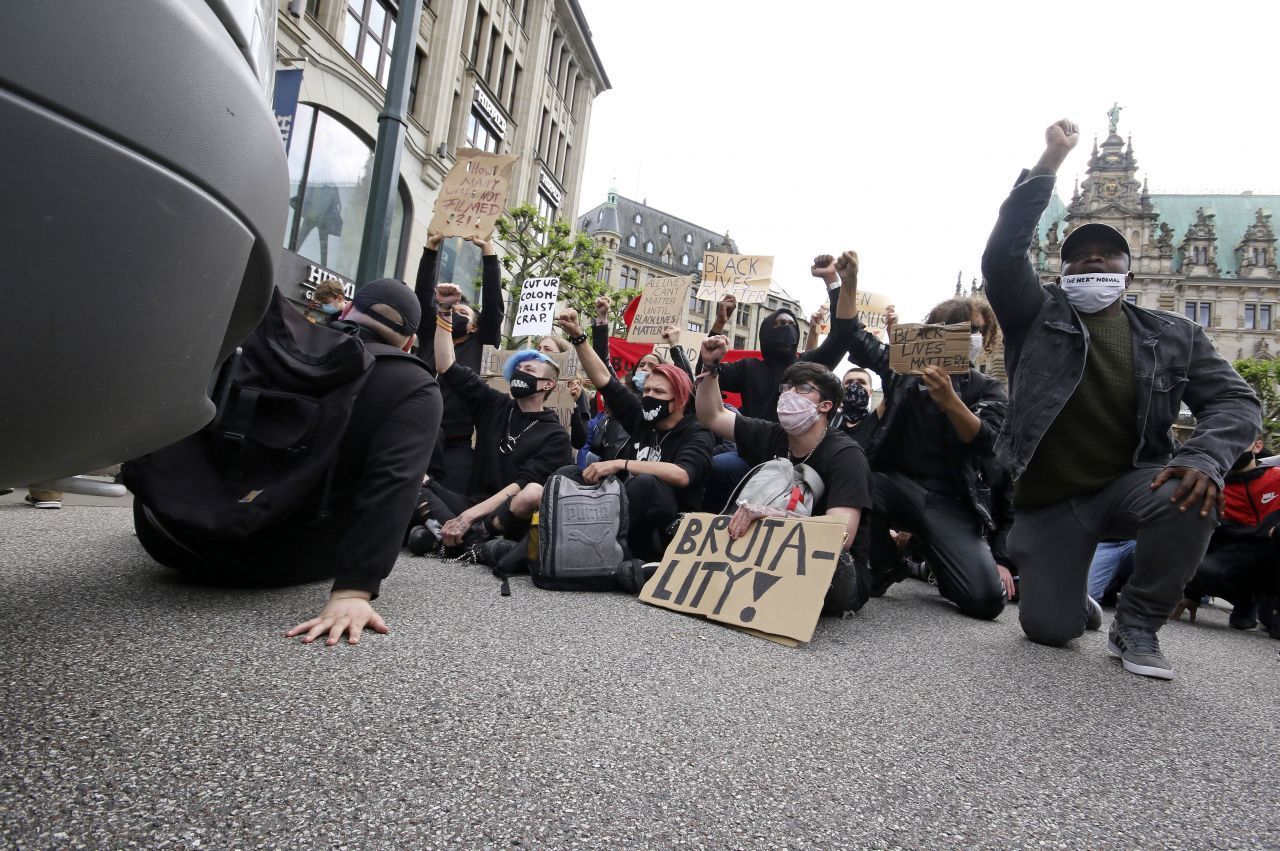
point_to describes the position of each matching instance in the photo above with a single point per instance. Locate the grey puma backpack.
(582, 534)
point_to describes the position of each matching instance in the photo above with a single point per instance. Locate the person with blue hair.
(519, 444)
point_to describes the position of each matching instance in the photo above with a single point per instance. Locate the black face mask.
(461, 326)
(523, 385)
(655, 410)
(779, 342)
(1242, 461)
(856, 400)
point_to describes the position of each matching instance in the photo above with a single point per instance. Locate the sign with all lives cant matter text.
(771, 581)
(913, 347)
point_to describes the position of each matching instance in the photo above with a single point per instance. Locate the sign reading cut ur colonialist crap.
(536, 306)
(662, 303)
(474, 194)
(771, 581)
(913, 347)
(743, 276)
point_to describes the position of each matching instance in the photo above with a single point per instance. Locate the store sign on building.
(491, 112)
(297, 277)
(548, 186)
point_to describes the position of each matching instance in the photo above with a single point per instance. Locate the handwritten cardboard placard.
(473, 194)
(690, 343)
(871, 310)
(743, 276)
(536, 306)
(662, 303)
(771, 581)
(913, 347)
(561, 401)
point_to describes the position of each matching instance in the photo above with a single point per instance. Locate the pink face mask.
(796, 414)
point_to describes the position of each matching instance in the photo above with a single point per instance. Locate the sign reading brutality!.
(661, 304)
(743, 276)
(913, 347)
(771, 581)
(537, 306)
(473, 194)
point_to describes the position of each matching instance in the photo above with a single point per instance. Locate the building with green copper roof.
(1211, 258)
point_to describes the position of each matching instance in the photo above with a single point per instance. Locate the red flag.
(624, 355)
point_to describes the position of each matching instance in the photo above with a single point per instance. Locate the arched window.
(631, 241)
(665, 229)
(688, 239)
(330, 171)
(684, 259)
(637, 218)
(708, 245)
(648, 247)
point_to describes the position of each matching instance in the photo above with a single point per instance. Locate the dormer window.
(631, 241)
(665, 229)
(708, 245)
(684, 259)
(688, 239)
(637, 218)
(648, 247)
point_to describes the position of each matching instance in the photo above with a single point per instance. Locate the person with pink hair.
(666, 462)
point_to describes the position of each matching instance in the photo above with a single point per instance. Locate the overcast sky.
(896, 129)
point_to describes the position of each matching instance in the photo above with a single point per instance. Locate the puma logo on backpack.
(582, 536)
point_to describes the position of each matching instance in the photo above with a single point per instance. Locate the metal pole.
(386, 153)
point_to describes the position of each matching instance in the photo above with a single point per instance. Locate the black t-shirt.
(687, 445)
(838, 460)
(919, 446)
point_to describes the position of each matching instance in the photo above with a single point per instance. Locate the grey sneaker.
(1139, 651)
(1092, 614)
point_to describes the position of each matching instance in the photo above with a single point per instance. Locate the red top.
(1251, 496)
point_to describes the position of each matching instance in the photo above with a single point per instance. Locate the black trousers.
(1239, 571)
(451, 461)
(288, 556)
(651, 506)
(947, 525)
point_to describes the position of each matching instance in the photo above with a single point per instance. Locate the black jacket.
(541, 443)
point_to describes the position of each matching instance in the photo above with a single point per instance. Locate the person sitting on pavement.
(1095, 387)
(380, 462)
(807, 396)
(453, 456)
(519, 444)
(665, 462)
(1242, 565)
(859, 415)
(927, 453)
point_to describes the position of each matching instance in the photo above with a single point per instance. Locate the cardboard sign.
(536, 307)
(771, 581)
(743, 276)
(871, 308)
(474, 194)
(690, 343)
(661, 304)
(561, 401)
(913, 347)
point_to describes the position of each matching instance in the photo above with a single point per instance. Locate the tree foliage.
(536, 248)
(1264, 377)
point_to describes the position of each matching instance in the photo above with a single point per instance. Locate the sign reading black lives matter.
(771, 581)
(536, 307)
(913, 347)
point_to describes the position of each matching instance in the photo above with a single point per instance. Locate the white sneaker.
(42, 503)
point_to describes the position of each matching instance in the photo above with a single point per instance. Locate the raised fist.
(575, 388)
(434, 238)
(724, 310)
(672, 335)
(447, 296)
(714, 348)
(819, 316)
(824, 266)
(890, 317)
(1062, 135)
(568, 322)
(847, 267)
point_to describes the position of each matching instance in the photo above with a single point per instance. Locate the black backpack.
(282, 411)
(582, 536)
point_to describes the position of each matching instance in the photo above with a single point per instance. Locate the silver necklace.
(806, 458)
(510, 445)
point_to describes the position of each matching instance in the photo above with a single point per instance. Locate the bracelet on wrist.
(577, 339)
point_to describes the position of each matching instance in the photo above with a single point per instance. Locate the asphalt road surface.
(142, 712)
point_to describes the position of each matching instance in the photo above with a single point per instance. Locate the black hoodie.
(757, 380)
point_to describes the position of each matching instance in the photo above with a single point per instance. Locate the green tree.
(1264, 377)
(535, 248)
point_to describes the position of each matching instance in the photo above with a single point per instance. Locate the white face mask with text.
(1093, 292)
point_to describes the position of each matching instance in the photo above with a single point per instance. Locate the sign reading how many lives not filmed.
(661, 304)
(913, 347)
(743, 276)
(771, 581)
(537, 306)
(474, 194)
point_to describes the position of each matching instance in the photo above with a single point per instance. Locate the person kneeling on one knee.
(666, 461)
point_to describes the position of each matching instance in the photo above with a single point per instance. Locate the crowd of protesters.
(1062, 492)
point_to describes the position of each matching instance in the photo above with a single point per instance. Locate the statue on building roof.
(1166, 236)
(1051, 236)
(1114, 115)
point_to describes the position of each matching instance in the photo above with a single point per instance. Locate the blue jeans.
(1111, 568)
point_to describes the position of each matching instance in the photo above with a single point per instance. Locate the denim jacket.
(982, 394)
(1046, 345)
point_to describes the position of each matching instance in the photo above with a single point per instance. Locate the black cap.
(1105, 234)
(395, 295)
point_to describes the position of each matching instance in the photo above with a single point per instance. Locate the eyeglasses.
(802, 389)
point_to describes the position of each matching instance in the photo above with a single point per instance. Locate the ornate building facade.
(643, 243)
(1211, 258)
